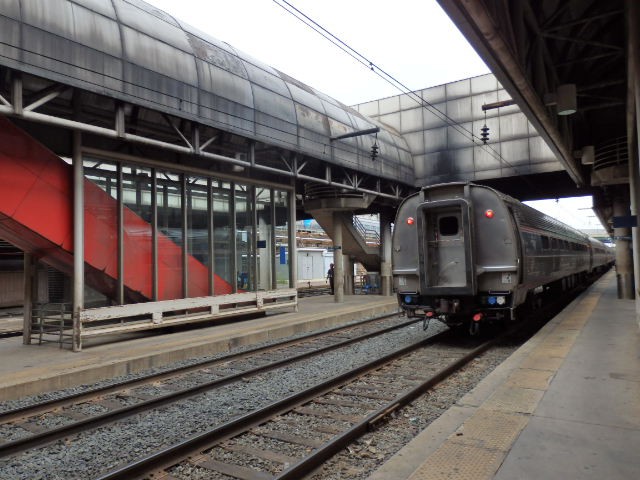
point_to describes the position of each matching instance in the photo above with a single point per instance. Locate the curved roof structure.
(129, 50)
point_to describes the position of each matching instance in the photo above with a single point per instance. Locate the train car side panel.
(406, 278)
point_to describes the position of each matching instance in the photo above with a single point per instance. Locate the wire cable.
(363, 60)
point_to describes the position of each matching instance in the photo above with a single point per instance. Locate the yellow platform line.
(479, 446)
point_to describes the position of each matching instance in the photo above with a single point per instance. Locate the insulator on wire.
(485, 134)
(374, 151)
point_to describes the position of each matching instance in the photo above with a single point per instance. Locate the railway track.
(25, 428)
(291, 437)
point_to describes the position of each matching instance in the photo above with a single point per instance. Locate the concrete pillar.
(385, 256)
(338, 265)
(624, 263)
(348, 274)
(633, 17)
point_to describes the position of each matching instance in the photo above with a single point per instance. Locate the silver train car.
(466, 254)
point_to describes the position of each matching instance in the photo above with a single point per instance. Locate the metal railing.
(315, 191)
(612, 153)
(370, 236)
(52, 322)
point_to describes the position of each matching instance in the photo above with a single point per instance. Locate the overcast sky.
(413, 40)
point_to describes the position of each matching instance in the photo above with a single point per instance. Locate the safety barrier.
(150, 315)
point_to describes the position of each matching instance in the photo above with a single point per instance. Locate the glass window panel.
(197, 237)
(282, 238)
(138, 235)
(169, 236)
(264, 241)
(244, 236)
(222, 234)
(101, 232)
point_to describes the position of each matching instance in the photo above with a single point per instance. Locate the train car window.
(545, 242)
(448, 226)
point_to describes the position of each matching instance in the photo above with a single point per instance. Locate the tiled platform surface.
(566, 405)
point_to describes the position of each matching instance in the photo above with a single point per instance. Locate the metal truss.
(181, 136)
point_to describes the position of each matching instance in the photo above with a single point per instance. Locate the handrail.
(614, 152)
(370, 236)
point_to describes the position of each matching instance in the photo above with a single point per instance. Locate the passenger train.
(466, 254)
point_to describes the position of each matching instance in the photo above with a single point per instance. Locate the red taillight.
(410, 221)
(488, 213)
(477, 317)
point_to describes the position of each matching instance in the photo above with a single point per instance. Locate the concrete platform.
(30, 369)
(564, 405)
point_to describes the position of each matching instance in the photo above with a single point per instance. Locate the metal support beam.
(273, 219)
(232, 240)
(29, 297)
(210, 237)
(253, 241)
(47, 95)
(120, 190)
(293, 248)
(185, 235)
(358, 133)
(385, 254)
(503, 103)
(338, 274)
(154, 234)
(78, 240)
(476, 23)
(16, 94)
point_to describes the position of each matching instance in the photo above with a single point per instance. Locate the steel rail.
(174, 454)
(20, 445)
(333, 446)
(48, 405)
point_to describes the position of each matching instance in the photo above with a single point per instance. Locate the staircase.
(357, 241)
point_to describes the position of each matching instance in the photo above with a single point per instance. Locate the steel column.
(274, 277)
(78, 240)
(234, 232)
(210, 237)
(253, 245)
(385, 251)
(338, 267)
(120, 190)
(154, 234)
(29, 296)
(185, 237)
(293, 248)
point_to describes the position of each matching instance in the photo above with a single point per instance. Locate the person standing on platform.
(330, 277)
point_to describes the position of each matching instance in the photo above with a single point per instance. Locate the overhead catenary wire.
(387, 77)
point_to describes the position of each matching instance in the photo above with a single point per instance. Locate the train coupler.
(474, 327)
(428, 315)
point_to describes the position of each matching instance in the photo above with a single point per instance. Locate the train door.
(519, 246)
(447, 248)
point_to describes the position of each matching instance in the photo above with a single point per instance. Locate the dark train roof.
(129, 50)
